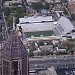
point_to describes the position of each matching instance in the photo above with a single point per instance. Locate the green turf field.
(39, 33)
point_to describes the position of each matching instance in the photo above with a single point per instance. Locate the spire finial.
(13, 22)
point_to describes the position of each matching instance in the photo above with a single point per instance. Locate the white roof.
(32, 27)
(63, 26)
(33, 1)
(66, 24)
(35, 19)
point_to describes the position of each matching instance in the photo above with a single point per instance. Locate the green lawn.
(39, 33)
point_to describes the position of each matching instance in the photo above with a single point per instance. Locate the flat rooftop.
(34, 19)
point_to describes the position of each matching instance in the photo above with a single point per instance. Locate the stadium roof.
(66, 24)
(34, 27)
(35, 19)
(63, 26)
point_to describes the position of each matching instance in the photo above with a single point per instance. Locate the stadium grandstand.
(63, 26)
(37, 25)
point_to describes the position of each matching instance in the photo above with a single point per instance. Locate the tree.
(1, 38)
(10, 22)
(65, 11)
(46, 6)
(19, 12)
(72, 52)
(19, 15)
(37, 6)
(45, 52)
(31, 54)
(73, 16)
(42, 0)
(6, 11)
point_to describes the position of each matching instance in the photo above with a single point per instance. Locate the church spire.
(13, 22)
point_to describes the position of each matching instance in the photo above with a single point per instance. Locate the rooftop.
(35, 19)
(13, 48)
(63, 26)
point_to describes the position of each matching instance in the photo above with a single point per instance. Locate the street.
(57, 61)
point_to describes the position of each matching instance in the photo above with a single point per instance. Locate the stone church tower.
(13, 56)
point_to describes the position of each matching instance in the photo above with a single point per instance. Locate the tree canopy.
(10, 22)
(37, 6)
(73, 16)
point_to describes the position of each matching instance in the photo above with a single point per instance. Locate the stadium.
(38, 26)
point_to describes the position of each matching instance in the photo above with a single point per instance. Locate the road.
(51, 61)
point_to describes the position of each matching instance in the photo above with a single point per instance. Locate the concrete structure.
(43, 38)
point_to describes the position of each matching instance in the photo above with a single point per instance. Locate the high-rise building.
(13, 56)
